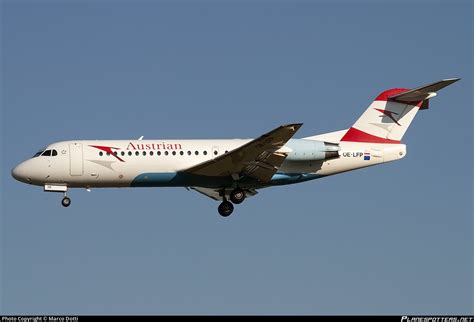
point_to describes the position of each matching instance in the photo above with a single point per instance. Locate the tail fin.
(390, 114)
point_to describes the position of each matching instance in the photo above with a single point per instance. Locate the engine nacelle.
(310, 150)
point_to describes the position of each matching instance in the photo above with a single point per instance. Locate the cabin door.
(75, 159)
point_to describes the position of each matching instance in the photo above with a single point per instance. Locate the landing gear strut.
(225, 208)
(66, 202)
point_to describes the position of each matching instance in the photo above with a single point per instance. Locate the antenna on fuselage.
(140, 138)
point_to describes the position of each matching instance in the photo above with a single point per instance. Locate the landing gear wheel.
(66, 202)
(237, 196)
(225, 208)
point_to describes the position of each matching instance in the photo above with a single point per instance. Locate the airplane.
(230, 171)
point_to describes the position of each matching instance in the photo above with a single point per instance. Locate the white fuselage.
(158, 163)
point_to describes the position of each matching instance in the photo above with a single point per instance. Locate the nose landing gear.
(66, 202)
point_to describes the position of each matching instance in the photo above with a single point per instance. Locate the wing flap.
(263, 169)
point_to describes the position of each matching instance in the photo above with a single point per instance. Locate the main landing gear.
(225, 208)
(237, 196)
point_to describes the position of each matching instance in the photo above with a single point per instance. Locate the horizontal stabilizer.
(422, 93)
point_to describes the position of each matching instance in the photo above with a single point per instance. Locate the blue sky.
(393, 239)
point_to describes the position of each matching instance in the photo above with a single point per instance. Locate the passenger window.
(101, 153)
(196, 152)
(174, 152)
(137, 153)
(151, 153)
(46, 153)
(181, 152)
(122, 153)
(129, 153)
(158, 153)
(144, 153)
(215, 152)
(166, 152)
(189, 152)
(54, 153)
(205, 152)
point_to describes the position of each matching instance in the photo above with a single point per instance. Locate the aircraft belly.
(179, 179)
(300, 167)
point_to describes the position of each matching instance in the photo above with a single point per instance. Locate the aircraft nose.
(19, 173)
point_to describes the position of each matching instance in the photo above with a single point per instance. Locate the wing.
(216, 193)
(257, 159)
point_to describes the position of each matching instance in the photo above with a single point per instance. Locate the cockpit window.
(37, 154)
(47, 153)
(40, 152)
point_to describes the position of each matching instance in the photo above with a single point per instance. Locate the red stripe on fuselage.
(107, 149)
(355, 135)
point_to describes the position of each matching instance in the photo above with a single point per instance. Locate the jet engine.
(310, 150)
